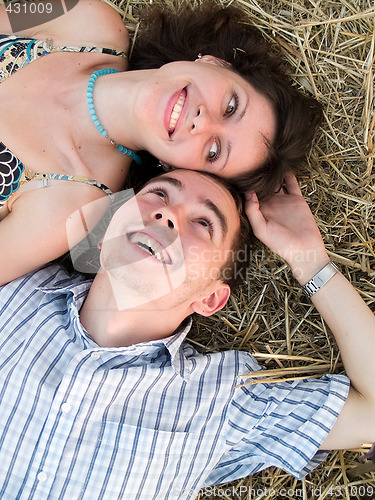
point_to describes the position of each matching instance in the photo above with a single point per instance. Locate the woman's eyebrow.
(242, 114)
(229, 149)
(237, 119)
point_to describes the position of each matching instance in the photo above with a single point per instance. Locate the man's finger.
(291, 183)
(255, 216)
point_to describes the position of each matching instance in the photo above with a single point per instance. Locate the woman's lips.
(176, 111)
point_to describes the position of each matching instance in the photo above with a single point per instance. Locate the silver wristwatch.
(320, 279)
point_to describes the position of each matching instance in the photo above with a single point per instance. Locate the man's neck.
(111, 327)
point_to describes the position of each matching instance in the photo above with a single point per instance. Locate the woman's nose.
(202, 122)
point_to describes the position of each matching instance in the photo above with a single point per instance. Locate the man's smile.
(150, 245)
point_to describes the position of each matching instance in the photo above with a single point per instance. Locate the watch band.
(320, 279)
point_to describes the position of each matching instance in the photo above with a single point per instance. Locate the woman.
(73, 118)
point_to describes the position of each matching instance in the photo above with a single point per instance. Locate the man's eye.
(232, 106)
(159, 192)
(208, 225)
(214, 152)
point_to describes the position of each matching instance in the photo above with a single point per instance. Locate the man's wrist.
(320, 279)
(304, 269)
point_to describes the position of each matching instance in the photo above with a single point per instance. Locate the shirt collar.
(78, 288)
(173, 343)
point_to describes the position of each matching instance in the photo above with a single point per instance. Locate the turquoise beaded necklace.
(94, 118)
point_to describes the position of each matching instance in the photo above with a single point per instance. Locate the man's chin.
(135, 293)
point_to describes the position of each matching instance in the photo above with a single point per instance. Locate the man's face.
(169, 241)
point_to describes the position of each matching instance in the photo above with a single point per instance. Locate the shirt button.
(95, 355)
(65, 407)
(42, 476)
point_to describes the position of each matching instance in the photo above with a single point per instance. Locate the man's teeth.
(144, 242)
(176, 112)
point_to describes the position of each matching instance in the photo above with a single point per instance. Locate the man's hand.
(286, 225)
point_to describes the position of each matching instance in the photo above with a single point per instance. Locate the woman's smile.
(176, 113)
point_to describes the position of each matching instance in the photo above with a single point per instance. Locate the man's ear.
(213, 60)
(216, 300)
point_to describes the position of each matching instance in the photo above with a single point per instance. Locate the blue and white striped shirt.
(155, 420)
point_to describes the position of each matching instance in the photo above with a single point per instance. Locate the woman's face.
(203, 116)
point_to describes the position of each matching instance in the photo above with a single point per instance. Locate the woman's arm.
(286, 225)
(88, 22)
(34, 232)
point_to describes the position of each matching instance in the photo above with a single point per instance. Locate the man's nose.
(166, 225)
(167, 216)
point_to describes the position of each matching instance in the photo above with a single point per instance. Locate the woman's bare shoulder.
(87, 22)
(5, 27)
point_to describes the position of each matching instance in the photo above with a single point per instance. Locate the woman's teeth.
(175, 115)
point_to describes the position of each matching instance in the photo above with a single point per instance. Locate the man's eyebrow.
(219, 214)
(170, 180)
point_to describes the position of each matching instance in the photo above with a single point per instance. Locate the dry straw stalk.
(329, 46)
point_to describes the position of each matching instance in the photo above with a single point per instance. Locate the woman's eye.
(214, 152)
(232, 106)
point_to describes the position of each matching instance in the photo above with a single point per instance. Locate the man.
(102, 398)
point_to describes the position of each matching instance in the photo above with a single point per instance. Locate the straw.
(329, 47)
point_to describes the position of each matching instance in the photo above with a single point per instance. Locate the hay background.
(329, 46)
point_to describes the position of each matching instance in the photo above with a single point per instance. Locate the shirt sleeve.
(280, 424)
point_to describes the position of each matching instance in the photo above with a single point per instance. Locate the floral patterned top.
(15, 53)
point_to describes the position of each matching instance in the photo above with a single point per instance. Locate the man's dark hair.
(180, 31)
(233, 271)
